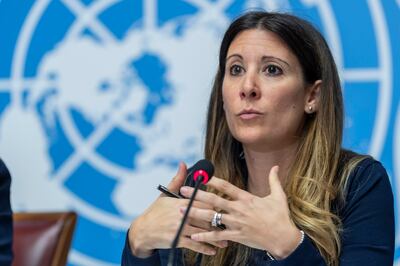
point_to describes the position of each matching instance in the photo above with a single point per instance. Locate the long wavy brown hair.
(317, 179)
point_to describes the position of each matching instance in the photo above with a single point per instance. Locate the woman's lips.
(249, 114)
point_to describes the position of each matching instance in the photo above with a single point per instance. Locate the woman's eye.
(273, 70)
(235, 70)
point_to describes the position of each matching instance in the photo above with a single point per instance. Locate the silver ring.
(216, 220)
(219, 219)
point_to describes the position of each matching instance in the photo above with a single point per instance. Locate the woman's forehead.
(260, 43)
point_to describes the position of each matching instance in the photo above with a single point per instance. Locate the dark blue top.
(368, 228)
(5, 216)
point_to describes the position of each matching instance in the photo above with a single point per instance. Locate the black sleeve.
(368, 223)
(306, 254)
(158, 258)
(128, 259)
(368, 218)
(5, 217)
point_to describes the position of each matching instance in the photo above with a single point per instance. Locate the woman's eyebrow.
(268, 57)
(234, 55)
(264, 58)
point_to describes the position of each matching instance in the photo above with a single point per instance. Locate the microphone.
(200, 173)
(195, 170)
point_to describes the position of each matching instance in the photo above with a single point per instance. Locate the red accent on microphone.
(202, 173)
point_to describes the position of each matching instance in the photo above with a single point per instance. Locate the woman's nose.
(250, 89)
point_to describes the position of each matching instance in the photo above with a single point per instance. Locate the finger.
(206, 225)
(227, 188)
(202, 205)
(206, 216)
(179, 178)
(208, 198)
(274, 181)
(190, 230)
(220, 244)
(226, 235)
(197, 213)
(185, 242)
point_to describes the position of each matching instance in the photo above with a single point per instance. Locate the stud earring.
(310, 108)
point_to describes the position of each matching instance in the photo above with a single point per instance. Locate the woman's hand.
(262, 223)
(157, 226)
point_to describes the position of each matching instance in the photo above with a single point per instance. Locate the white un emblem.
(99, 99)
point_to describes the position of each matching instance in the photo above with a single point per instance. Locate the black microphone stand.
(178, 234)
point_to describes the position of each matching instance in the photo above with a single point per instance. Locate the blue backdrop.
(99, 99)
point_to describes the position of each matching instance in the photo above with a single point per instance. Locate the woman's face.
(263, 91)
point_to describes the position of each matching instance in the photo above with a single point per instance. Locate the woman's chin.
(264, 143)
(253, 140)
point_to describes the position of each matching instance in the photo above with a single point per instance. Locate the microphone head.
(203, 168)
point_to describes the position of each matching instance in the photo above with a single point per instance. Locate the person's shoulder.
(365, 173)
(364, 168)
(4, 173)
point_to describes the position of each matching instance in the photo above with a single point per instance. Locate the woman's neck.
(259, 164)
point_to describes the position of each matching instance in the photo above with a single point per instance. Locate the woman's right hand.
(157, 226)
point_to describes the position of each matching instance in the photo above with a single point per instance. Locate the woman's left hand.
(257, 222)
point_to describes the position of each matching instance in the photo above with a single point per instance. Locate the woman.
(285, 190)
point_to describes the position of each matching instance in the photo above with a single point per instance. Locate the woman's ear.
(312, 97)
